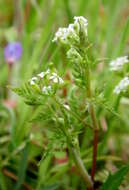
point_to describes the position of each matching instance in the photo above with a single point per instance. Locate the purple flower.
(13, 52)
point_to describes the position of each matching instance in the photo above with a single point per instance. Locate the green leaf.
(29, 94)
(123, 40)
(23, 167)
(68, 11)
(114, 181)
(44, 170)
(50, 187)
(2, 182)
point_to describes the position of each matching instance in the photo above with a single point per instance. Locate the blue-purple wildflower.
(13, 52)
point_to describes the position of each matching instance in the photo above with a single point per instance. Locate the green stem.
(83, 172)
(78, 161)
(76, 155)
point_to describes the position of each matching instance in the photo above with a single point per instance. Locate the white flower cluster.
(118, 63)
(56, 79)
(50, 77)
(32, 81)
(47, 90)
(43, 74)
(71, 33)
(40, 75)
(81, 23)
(122, 86)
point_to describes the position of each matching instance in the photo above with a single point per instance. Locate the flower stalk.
(78, 161)
(83, 172)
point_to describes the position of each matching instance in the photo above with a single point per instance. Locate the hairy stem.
(78, 161)
(77, 158)
(80, 166)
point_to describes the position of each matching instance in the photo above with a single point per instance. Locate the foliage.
(114, 181)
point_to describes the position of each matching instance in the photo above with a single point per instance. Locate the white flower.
(32, 81)
(46, 84)
(66, 106)
(47, 89)
(81, 23)
(118, 63)
(66, 35)
(56, 79)
(47, 71)
(42, 74)
(61, 35)
(122, 86)
(34, 78)
(81, 19)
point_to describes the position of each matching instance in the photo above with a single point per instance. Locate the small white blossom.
(66, 35)
(56, 79)
(82, 22)
(34, 78)
(61, 35)
(46, 84)
(41, 75)
(81, 19)
(61, 81)
(32, 81)
(47, 89)
(66, 106)
(118, 63)
(47, 71)
(122, 86)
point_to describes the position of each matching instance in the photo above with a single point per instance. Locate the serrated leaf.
(114, 181)
(44, 169)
